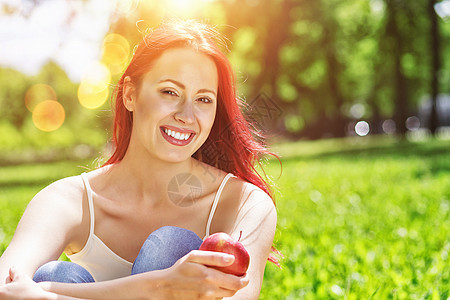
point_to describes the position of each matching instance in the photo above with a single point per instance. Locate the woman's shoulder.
(249, 193)
(74, 185)
(67, 189)
(243, 200)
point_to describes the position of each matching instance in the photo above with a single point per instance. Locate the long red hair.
(232, 145)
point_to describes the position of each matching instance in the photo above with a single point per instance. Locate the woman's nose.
(185, 113)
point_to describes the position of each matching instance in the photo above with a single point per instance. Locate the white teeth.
(177, 135)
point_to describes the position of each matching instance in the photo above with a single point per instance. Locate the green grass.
(365, 220)
(358, 218)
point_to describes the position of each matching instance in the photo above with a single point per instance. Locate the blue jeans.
(161, 250)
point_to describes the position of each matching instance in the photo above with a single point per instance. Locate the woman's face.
(175, 105)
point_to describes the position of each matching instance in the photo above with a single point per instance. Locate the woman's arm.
(50, 222)
(23, 287)
(189, 279)
(257, 219)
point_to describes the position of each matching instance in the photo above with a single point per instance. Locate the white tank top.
(102, 262)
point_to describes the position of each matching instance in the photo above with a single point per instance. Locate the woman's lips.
(177, 136)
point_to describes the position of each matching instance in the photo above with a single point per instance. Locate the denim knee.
(164, 247)
(62, 271)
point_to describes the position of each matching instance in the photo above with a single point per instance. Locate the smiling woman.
(177, 95)
(178, 129)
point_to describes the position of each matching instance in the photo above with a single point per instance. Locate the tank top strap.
(90, 203)
(215, 202)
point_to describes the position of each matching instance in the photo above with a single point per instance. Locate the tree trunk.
(337, 127)
(435, 64)
(400, 80)
(274, 39)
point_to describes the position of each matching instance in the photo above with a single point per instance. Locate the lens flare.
(182, 5)
(48, 115)
(90, 98)
(186, 8)
(362, 128)
(94, 87)
(126, 7)
(116, 51)
(38, 93)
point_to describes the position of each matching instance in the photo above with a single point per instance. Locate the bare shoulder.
(246, 207)
(255, 196)
(251, 197)
(62, 199)
(62, 205)
(67, 190)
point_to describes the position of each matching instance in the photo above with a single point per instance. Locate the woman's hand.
(192, 278)
(20, 286)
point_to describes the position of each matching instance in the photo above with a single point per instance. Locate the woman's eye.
(205, 100)
(169, 92)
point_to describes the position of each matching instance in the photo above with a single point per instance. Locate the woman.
(177, 125)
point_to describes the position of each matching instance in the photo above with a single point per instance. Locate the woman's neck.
(147, 179)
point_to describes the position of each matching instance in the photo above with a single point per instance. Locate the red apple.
(222, 242)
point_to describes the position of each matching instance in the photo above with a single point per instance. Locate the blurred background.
(310, 69)
(353, 94)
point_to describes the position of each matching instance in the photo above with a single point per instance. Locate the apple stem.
(240, 235)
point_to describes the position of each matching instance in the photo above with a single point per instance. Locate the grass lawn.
(358, 219)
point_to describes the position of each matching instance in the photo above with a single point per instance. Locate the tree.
(435, 64)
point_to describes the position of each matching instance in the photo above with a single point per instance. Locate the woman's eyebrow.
(184, 87)
(173, 81)
(207, 91)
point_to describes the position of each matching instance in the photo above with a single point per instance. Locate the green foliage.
(315, 59)
(362, 221)
(19, 134)
(358, 219)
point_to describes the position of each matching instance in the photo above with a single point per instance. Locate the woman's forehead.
(185, 66)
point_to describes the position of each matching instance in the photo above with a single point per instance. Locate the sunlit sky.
(68, 32)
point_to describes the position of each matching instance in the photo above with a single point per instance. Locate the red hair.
(231, 145)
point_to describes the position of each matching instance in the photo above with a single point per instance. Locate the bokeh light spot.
(389, 126)
(94, 87)
(357, 110)
(116, 51)
(38, 93)
(362, 128)
(412, 123)
(48, 115)
(90, 97)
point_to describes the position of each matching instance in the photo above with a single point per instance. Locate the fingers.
(218, 259)
(211, 258)
(202, 292)
(199, 276)
(203, 278)
(227, 281)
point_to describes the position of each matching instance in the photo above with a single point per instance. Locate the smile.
(177, 137)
